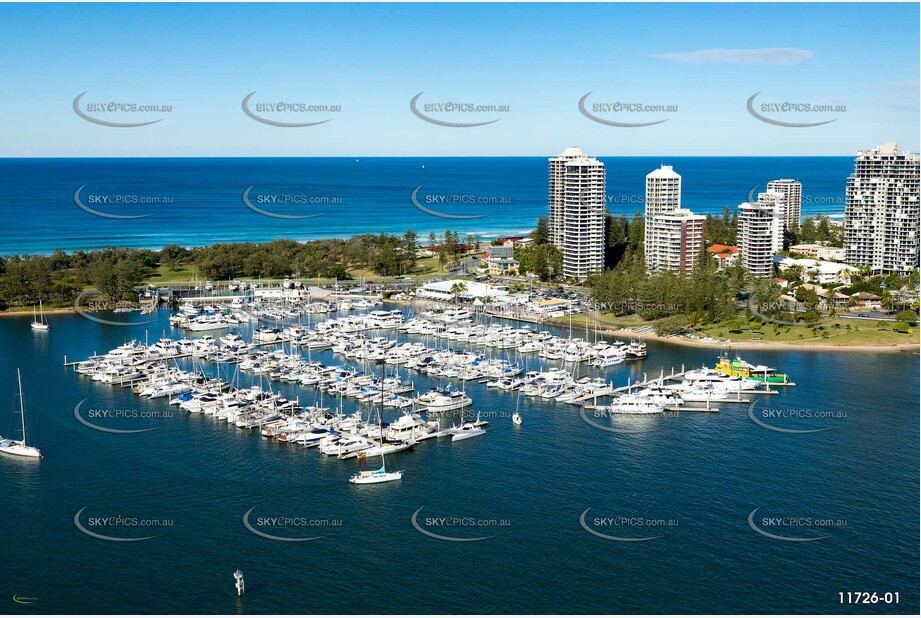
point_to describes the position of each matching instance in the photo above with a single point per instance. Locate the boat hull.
(15, 449)
(372, 479)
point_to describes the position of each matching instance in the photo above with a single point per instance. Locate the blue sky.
(537, 59)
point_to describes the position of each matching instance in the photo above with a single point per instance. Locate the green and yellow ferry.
(728, 365)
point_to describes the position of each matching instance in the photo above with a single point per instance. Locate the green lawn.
(425, 269)
(182, 274)
(605, 320)
(835, 332)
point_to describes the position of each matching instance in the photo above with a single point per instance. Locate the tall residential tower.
(674, 236)
(792, 192)
(577, 212)
(881, 219)
(760, 235)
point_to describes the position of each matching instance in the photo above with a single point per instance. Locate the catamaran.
(38, 321)
(19, 448)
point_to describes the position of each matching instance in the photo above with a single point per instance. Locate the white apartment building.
(760, 234)
(674, 236)
(676, 240)
(583, 217)
(819, 251)
(792, 192)
(881, 219)
(663, 191)
(778, 202)
(556, 195)
(818, 271)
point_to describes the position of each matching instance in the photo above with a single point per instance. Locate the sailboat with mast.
(368, 477)
(38, 320)
(19, 448)
(516, 417)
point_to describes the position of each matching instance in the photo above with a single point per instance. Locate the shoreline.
(908, 348)
(625, 333)
(46, 311)
(902, 348)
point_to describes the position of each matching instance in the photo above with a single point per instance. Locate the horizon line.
(608, 156)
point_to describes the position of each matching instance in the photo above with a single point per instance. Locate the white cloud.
(765, 55)
(909, 87)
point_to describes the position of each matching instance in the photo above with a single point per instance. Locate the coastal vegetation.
(704, 302)
(819, 229)
(715, 303)
(383, 254)
(56, 279)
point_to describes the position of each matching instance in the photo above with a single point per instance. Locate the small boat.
(19, 448)
(635, 404)
(516, 419)
(443, 400)
(610, 355)
(370, 477)
(386, 448)
(636, 350)
(38, 321)
(469, 429)
(738, 368)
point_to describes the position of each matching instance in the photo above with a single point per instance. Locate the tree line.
(383, 254)
(57, 278)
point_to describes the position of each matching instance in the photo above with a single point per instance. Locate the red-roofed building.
(514, 241)
(724, 254)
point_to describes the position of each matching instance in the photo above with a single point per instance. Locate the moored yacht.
(442, 400)
(636, 350)
(19, 448)
(38, 322)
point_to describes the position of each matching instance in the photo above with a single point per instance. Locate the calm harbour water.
(704, 472)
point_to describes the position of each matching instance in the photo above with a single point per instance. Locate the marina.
(203, 375)
(460, 309)
(279, 465)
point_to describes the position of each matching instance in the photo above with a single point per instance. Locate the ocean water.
(200, 201)
(704, 473)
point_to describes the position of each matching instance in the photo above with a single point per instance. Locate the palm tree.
(458, 287)
(888, 300)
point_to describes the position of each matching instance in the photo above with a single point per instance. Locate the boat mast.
(380, 421)
(22, 408)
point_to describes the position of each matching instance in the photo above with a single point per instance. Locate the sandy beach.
(46, 311)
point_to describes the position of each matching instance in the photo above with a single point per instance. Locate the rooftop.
(722, 249)
(571, 152)
(473, 288)
(665, 171)
(550, 302)
(821, 266)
